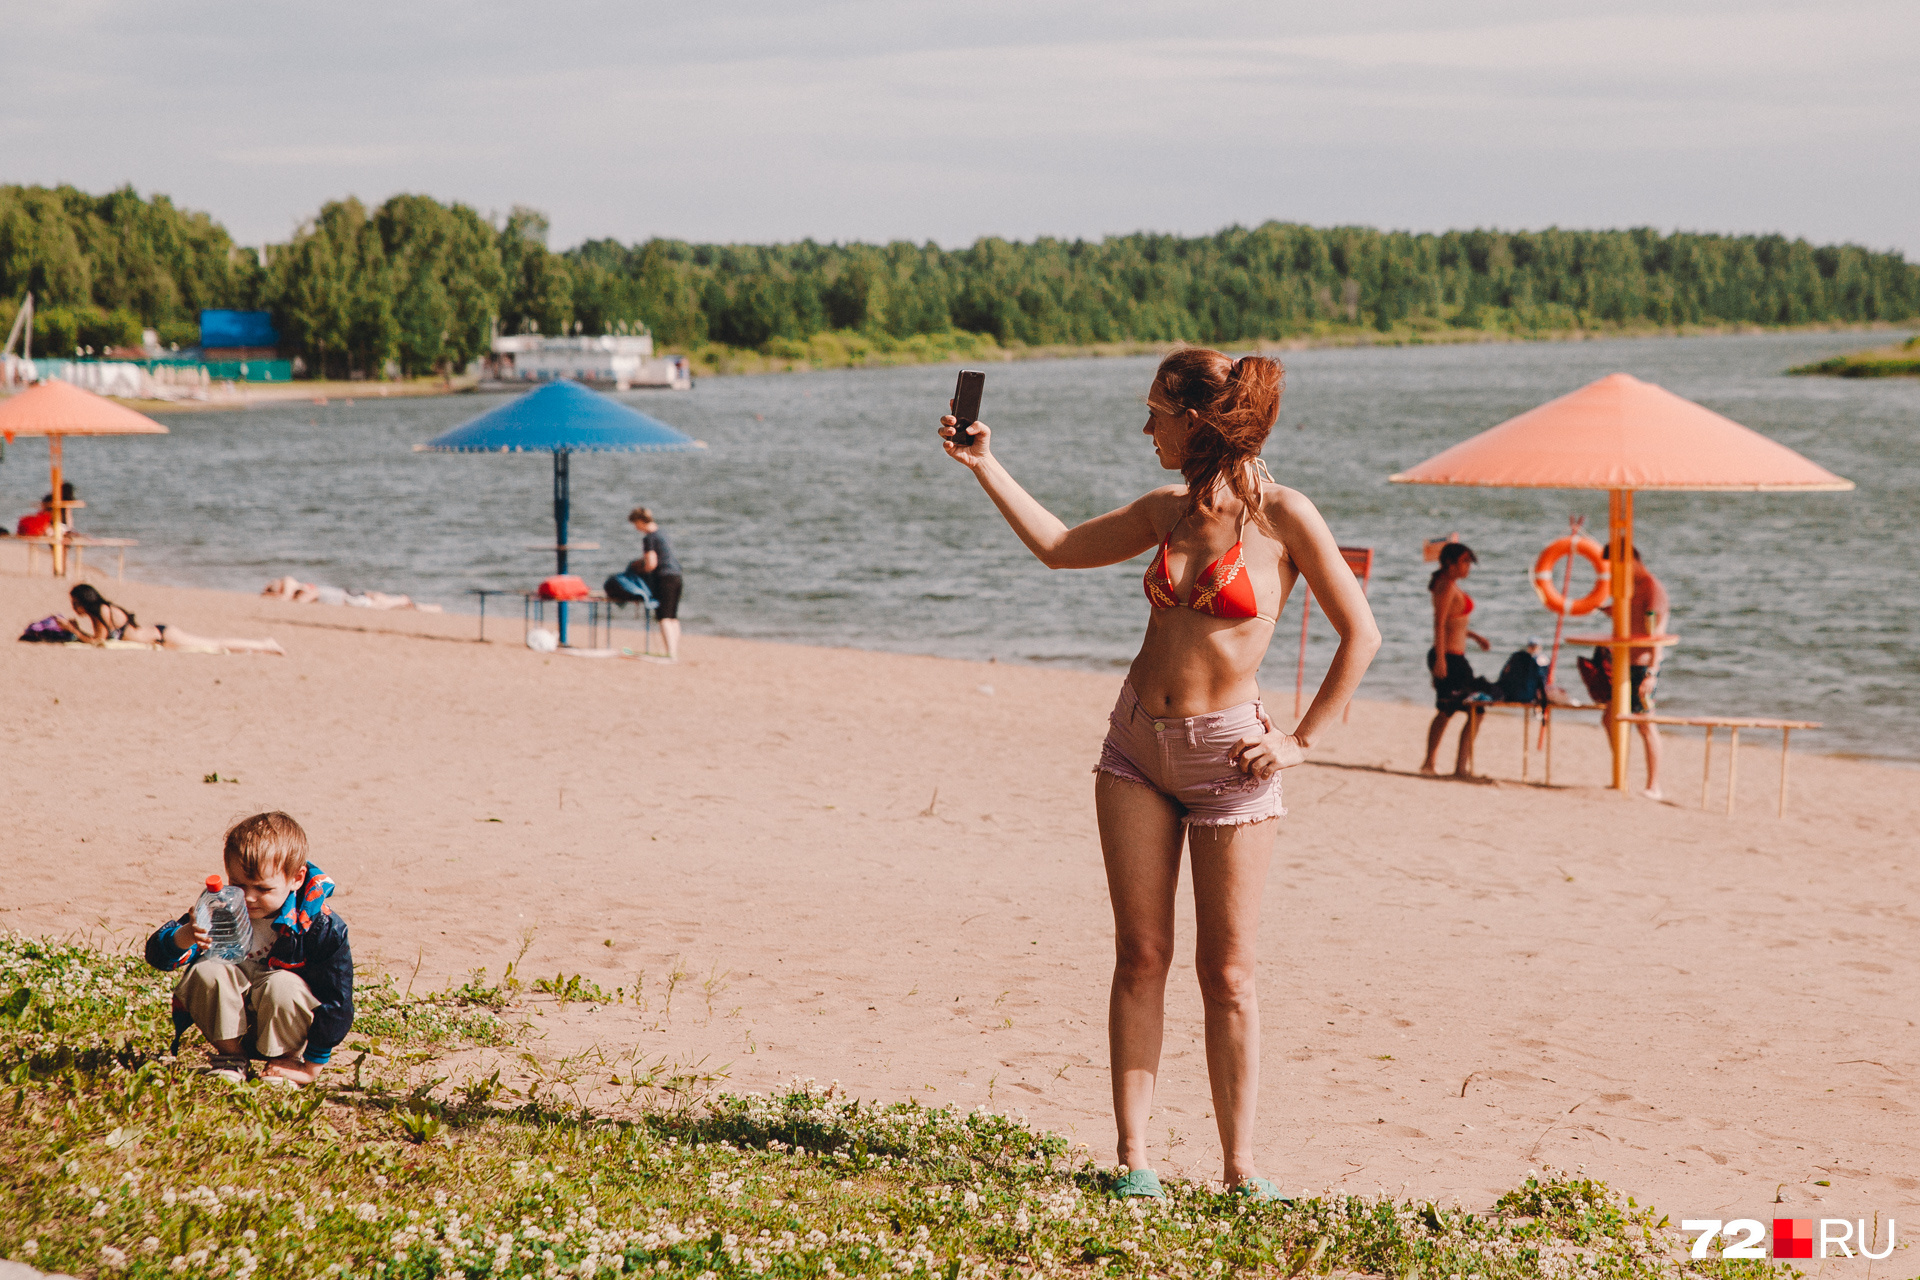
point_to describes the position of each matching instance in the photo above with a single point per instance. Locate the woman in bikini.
(1191, 756)
(100, 620)
(1454, 684)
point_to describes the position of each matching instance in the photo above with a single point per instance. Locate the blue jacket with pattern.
(312, 945)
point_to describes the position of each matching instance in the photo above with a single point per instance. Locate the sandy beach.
(1460, 982)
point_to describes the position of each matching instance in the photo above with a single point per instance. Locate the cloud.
(854, 118)
(336, 155)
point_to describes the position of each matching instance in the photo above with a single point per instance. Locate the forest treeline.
(424, 284)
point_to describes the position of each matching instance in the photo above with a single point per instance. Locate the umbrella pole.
(1620, 557)
(561, 499)
(58, 552)
(1576, 525)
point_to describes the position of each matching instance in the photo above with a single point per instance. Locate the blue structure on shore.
(223, 330)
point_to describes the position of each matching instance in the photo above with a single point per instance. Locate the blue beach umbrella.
(562, 418)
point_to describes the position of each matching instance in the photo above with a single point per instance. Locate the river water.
(824, 513)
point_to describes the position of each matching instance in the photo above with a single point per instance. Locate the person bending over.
(1651, 609)
(290, 1000)
(1454, 684)
(662, 574)
(100, 620)
(1191, 756)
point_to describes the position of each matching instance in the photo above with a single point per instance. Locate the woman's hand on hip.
(1262, 757)
(970, 455)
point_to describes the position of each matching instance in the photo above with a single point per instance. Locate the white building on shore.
(610, 361)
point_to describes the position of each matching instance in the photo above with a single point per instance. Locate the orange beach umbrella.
(1621, 434)
(57, 410)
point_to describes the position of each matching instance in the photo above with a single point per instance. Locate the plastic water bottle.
(223, 914)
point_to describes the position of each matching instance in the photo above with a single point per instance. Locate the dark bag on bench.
(1522, 680)
(628, 588)
(1597, 674)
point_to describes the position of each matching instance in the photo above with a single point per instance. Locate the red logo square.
(1793, 1237)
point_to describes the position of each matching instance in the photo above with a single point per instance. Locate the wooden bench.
(77, 543)
(1734, 724)
(1528, 711)
(601, 611)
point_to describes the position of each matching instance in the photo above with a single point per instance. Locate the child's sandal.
(231, 1067)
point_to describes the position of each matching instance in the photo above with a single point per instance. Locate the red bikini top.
(1222, 590)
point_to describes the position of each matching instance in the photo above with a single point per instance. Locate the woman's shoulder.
(1165, 504)
(1281, 506)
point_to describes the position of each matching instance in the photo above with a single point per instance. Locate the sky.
(765, 120)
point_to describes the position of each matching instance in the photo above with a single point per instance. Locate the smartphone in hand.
(966, 405)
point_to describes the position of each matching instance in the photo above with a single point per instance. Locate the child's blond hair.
(268, 842)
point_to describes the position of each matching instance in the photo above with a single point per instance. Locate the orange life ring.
(1543, 576)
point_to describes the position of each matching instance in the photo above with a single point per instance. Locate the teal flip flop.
(1260, 1189)
(1138, 1184)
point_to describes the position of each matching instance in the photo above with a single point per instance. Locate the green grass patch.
(115, 1160)
(1901, 361)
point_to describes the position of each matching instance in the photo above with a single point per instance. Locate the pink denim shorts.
(1190, 761)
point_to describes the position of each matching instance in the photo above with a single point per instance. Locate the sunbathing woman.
(1191, 756)
(101, 620)
(291, 588)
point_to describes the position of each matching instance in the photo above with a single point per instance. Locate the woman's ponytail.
(1236, 403)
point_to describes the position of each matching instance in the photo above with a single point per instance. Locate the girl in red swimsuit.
(1191, 758)
(1454, 684)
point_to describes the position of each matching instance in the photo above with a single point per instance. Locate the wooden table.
(77, 543)
(600, 614)
(483, 593)
(1526, 730)
(1734, 724)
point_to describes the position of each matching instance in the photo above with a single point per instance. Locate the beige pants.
(219, 996)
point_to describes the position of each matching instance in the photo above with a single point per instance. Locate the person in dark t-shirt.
(662, 573)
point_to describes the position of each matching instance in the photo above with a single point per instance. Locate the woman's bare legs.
(1463, 761)
(1229, 882)
(1141, 836)
(175, 638)
(1434, 733)
(670, 632)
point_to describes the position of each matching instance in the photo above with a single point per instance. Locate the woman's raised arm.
(1108, 539)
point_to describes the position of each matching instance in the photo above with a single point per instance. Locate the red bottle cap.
(213, 884)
